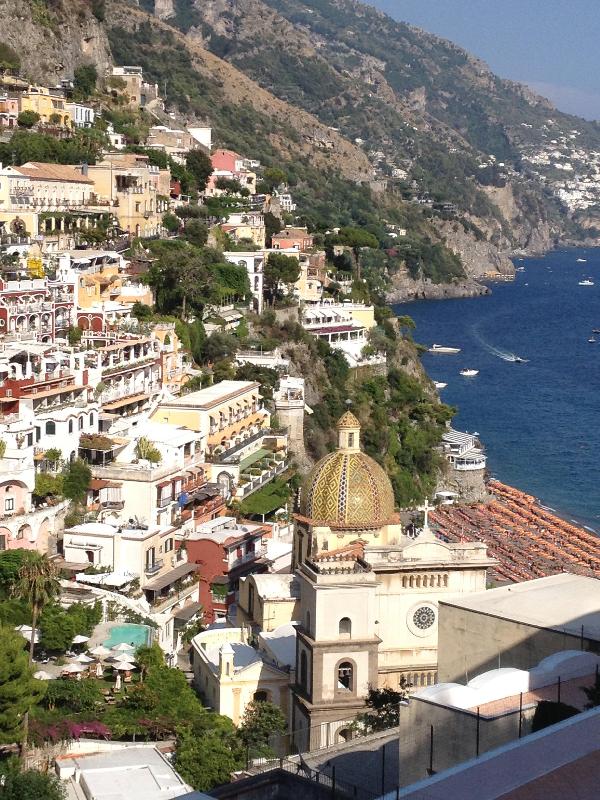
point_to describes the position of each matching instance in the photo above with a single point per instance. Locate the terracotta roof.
(52, 172)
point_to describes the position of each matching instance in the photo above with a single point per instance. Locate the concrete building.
(229, 672)
(81, 116)
(138, 92)
(135, 772)
(369, 594)
(446, 724)
(267, 601)
(466, 466)
(298, 238)
(518, 625)
(48, 103)
(290, 406)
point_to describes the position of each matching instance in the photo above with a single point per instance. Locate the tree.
(9, 58)
(11, 562)
(47, 484)
(219, 346)
(204, 761)
(170, 222)
(27, 119)
(549, 713)
(19, 691)
(280, 269)
(29, 784)
(384, 708)
(74, 336)
(73, 696)
(142, 312)
(592, 693)
(196, 232)
(76, 481)
(84, 79)
(272, 226)
(262, 722)
(38, 583)
(200, 166)
(149, 657)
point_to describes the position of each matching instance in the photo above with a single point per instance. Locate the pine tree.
(19, 690)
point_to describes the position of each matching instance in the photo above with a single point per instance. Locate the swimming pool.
(130, 633)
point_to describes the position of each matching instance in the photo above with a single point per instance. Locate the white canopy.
(120, 648)
(100, 651)
(73, 668)
(123, 666)
(83, 659)
(41, 675)
(80, 639)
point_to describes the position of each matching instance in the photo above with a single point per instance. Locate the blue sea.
(539, 421)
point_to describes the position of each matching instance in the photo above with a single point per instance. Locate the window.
(350, 440)
(251, 599)
(2, 541)
(308, 622)
(345, 627)
(424, 617)
(303, 670)
(38, 433)
(9, 503)
(168, 545)
(345, 676)
(50, 428)
(91, 419)
(80, 423)
(70, 426)
(29, 439)
(260, 696)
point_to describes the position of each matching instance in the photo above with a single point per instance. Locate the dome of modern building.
(346, 489)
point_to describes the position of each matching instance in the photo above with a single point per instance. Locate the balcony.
(112, 505)
(155, 567)
(253, 555)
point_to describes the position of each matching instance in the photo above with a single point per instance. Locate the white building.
(203, 135)
(81, 116)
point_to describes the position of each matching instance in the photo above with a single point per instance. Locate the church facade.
(368, 593)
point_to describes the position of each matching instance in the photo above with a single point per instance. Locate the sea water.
(539, 421)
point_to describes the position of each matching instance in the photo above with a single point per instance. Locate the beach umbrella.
(23, 628)
(123, 666)
(41, 675)
(100, 651)
(99, 670)
(80, 639)
(72, 669)
(121, 648)
(83, 659)
(118, 683)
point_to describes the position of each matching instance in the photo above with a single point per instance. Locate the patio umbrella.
(125, 663)
(121, 648)
(118, 683)
(43, 676)
(100, 651)
(123, 666)
(80, 639)
(23, 628)
(83, 659)
(99, 670)
(73, 668)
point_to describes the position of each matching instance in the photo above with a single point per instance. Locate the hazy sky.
(553, 45)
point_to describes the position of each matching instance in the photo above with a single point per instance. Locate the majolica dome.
(347, 489)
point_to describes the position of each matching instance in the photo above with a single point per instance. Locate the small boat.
(442, 350)
(469, 373)
(519, 360)
(519, 269)
(595, 330)
(582, 260)
(586, 282)
(591, 340)
(439, 385)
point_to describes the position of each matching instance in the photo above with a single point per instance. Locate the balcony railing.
(156, 566)
(116, 505)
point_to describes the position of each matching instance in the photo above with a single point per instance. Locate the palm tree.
(39, 585)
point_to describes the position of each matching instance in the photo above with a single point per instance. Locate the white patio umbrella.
(83, 659)
(118, 683)
(80, 639)
(41, 675)
(73, 668)
(99, 670)
(100, 651)
(123, 666)
(23, 628)
(121, 648)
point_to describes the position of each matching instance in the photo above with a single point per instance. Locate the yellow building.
(52, 108)
(226, 414)
(135, 191)
(268, 600)
(173, 368)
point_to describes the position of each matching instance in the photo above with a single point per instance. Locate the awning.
(98, 483)
(170, 577)
(187, 612)
(125, 401)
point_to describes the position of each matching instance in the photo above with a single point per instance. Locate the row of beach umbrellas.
(120, 656)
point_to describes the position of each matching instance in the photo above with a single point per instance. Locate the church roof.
(347, 422)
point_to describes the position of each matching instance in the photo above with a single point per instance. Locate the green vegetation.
(147, 450)
(9, 58)
(19, 691)
(58, 626)
(83, 144)
(29, 784)
(271, 497)
(76, 480)
(27, 119)
(281, 271)
(37, 584)
(263, 723)
(84, 81)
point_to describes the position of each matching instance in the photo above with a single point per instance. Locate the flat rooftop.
(132, 773)
(212, 395)
(559, 602)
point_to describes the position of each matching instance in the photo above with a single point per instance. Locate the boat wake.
(505, 355)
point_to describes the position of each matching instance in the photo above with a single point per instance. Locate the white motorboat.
(591, 340)
(469, 373)
(586, 282)
(439, 385)
(582, 260)
(442, 350)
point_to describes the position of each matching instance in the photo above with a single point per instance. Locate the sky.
(551, 45)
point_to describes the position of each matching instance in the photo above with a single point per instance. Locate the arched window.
(251, 599)
(70, 426)
(418, 581)
(91, 419)
(345, 677)
(446, 581)
(303, 669)
(80, 423)
(260, 696)
(345, 628)
(50, 428)
(308, 622)
(425, 581)
(404, 581)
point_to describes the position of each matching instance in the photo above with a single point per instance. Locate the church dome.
(346, 488)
